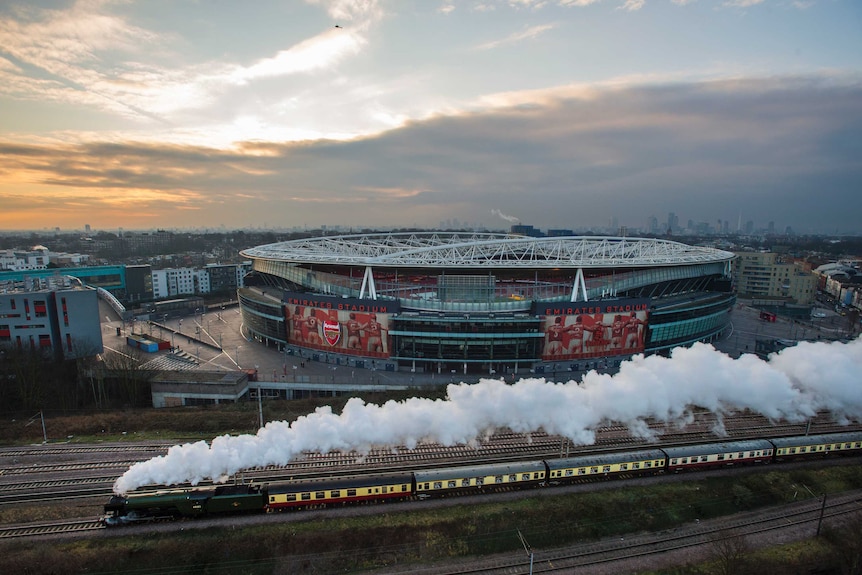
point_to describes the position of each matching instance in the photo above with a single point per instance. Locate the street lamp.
(259, 404)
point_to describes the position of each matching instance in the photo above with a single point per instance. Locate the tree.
(127, 379)
(846, 541)
(729, 550)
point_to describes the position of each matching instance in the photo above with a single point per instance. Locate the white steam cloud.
(793, 385)
(510, 219)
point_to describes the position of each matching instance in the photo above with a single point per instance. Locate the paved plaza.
(216, 339)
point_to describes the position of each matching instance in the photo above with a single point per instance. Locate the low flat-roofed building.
(197, 387)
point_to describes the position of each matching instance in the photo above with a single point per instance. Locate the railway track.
(606, 551)
(78, 448)
(50, 528)
(503, 446)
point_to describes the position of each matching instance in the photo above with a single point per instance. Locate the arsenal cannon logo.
(331, 332)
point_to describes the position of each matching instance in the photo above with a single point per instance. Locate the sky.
(208, 114)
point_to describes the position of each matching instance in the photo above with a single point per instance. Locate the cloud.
(85, 56)
(446, 8)
(351, 10)
(782, 149)
(57, 54)
(579, 3)
(632, 5)
(316, 53)
(742, 3)
(526, 34)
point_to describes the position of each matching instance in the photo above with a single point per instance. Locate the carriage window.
(624, 466)
(594, 469)
(792, 450)
(334, 494)
(606, 469)
(704, 457)
(570, 472)
(582, 471)
(673, 461)
(465, 483)
(720, 457)
(438, 485)
(480, 481)
(801, 450)
(306, 496)
(685, 460)
(451, 485)
(513, 478)
(647, 464)
(351, 493)
(291, 497)
(638, 465)
(498, 479)
(320, 495)
(525, 477)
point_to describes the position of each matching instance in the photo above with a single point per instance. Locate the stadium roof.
(485, 250)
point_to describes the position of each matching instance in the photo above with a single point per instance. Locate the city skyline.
(369, 113)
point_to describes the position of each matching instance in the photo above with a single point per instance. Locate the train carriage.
(478, 478)
(319, 493)
(605, 464)
(818, 445)
(708, 455)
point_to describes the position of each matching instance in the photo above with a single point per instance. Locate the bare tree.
(126, 376)
(25, 372)
(846, 541)
(730, 551)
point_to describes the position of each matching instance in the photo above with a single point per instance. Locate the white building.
(173, 282)
(20, 261)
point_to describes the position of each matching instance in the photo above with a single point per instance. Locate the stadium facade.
(484, 303)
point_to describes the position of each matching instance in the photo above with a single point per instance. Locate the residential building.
(767, 275)
(172, 282)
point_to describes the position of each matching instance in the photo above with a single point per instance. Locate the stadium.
(483, 302)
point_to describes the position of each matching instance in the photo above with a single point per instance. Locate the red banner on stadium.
(364, 334)
(586, 329)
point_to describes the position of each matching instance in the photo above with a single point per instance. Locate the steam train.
(443, 481)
